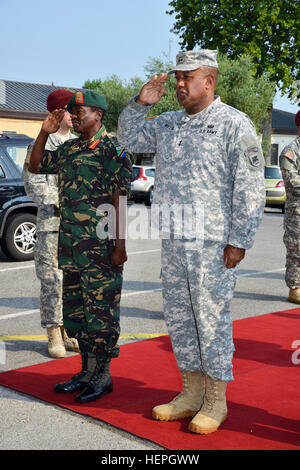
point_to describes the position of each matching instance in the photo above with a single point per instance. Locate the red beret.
(297, 119)
(58, 99)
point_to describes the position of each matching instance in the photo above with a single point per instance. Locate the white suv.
(142, 183)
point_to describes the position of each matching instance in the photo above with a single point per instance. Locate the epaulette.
(94, 144)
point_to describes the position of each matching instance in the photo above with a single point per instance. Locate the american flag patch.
(289, 155)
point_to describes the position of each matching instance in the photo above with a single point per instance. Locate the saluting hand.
(152, 91)
(53, 120)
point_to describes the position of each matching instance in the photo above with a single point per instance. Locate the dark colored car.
(17, 210)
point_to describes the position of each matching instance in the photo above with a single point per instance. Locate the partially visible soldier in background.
(42, 189)
(290, 168)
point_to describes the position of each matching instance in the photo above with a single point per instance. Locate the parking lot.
(31, 424)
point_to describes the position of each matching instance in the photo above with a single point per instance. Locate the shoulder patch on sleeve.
(121, 153)
(289, 155)
(252, 152)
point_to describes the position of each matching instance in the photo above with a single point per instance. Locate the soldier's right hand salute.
(52, 122)
(152, 91)
(50, 126)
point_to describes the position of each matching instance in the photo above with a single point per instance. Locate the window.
(273, 173)
(17, 154)
(274, 154)
(150, 172)
(135, 173)
(2, 174)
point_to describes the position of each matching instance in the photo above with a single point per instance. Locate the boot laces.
(184, 388)
(100, 373)
(211, 395)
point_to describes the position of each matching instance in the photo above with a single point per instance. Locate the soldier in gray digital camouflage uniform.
(290, 168)
(207, 156)
(43, 191)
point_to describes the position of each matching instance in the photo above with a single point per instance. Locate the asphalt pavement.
(27, 423)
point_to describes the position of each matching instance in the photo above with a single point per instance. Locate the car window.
(2, 174)
(135, 173)
(273, 173)
(150, 172)
(17, 154)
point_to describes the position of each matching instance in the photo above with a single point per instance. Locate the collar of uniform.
(98, 136)
(204, 113)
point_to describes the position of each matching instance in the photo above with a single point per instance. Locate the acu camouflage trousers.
(91, 307)
(197, 290)
(46, 267)
(291, 239)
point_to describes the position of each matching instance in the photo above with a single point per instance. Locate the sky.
(68, 42)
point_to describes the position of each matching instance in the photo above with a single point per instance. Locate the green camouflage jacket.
(89, 173)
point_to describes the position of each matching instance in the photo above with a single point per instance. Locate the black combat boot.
(80, 380)
(100, 383)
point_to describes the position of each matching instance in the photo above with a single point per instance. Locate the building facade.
(23, 106)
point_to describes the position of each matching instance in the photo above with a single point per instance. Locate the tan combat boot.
(56, 346)
(71, 344)
(294, 295)
(214, 409)
(187, 403)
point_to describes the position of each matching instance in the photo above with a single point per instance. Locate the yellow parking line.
(24, 338)
(44, 337)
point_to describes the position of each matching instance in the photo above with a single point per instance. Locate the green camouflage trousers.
(91, 307)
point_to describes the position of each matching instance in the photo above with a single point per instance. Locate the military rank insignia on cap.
(192, 60)
(79, 97)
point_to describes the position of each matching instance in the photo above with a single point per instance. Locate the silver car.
(142, 183)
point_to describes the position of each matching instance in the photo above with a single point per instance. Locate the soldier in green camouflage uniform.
(91, 172)
(290, 168)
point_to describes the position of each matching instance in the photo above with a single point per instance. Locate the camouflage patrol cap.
(87, 98)
(192, 60)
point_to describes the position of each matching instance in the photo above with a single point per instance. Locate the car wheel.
(20, 237)
(149, 198)
(283, 209)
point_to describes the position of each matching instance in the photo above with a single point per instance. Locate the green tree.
(169, 102)
(239, 87)
(117, 94)
(267, 31)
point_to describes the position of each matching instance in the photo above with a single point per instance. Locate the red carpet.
(263, 400)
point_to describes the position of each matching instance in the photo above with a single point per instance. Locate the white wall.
(282, 140)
